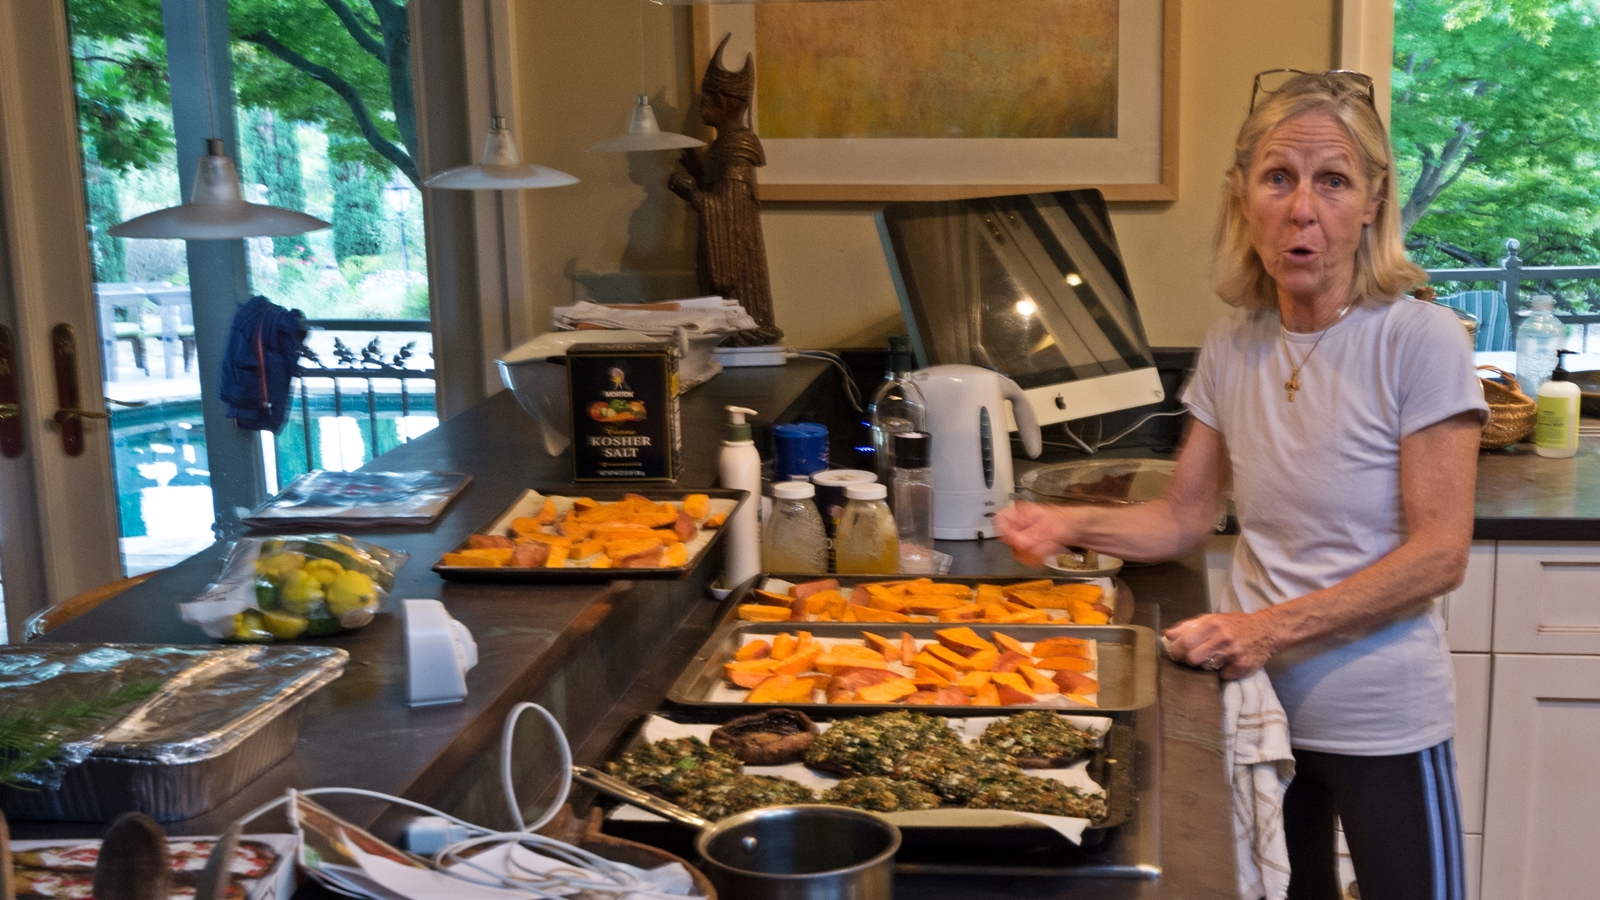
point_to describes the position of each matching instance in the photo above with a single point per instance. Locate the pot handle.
(627, 793)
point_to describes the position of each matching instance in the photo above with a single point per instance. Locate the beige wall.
(579, 63)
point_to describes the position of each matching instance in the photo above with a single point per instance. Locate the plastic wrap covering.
(221, 716)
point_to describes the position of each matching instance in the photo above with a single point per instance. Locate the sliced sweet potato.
(601, 561)
(486, 556)
(849, 656)
(666, 535)
(930, 604)
(922, 697)
(966, 612)
(936, 665)
(1076, 683)
(972, 682)
(526, 525)
(929, 586)
(675, 556)
(782, 689)
(946, 655)
(1065, 663)
(1090, 617)
(757, 649)
(697, 506)
(1010, 678)
(1009, 661)
(806, 589)
(484, 541)
(642, 559)
(462, 559)
(860, 596)
(783, 645)
(858, 677)
(988, 593)
(715, 520)
(530, 554)
(963, 640)
(987, 695)
(839, 695)
(587, 548)
(685, 527)
(982, 661)
(883, 646)
(1007, 642)
(772, 598)
(922, 673)
(748, 672)
(821, 601)
(887, 692)
(547, 512)
(1011, 696)
(557, 558)
(803, 641)
(1026, 617)
(908, 648)
(1038, 682)
(1062, 646)
(870, 614)
(798, 662)
(952, 696)
(756, 612)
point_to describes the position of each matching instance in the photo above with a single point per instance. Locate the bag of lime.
(283, 588)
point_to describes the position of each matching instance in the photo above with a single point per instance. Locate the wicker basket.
(1511, 412)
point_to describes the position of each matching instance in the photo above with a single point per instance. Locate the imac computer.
(1031, 286)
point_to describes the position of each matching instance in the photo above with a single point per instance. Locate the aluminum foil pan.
(221, 717)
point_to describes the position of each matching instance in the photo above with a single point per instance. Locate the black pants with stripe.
(1401, 817)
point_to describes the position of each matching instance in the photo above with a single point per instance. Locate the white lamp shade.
(644, 133)
(217, 210)
(502, 168)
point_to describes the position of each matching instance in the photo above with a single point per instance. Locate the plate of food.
(598, 535)
(1084, 564)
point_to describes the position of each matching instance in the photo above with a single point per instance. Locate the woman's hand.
(1033, 532)
(1235, 645)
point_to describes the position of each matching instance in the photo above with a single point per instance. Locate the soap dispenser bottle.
(740, 470)
(1555, 432)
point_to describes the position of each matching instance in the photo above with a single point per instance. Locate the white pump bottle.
(740, 469)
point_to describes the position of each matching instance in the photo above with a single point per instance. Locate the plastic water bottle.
(897, 406)
(1538, 338)
(913, 503)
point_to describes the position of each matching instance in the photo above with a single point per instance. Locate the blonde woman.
(1346, 418)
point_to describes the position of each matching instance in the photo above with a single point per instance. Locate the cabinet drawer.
(1547, 598)
(1468, 610)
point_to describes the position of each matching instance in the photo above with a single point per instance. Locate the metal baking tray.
(722, 500)
(214, 726)
(949, 838)
(1126, 664)
(1117, 595)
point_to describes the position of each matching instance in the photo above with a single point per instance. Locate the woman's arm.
(1160, 529)
(1438, 467)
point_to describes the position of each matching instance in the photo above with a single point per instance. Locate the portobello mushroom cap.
(771, 738)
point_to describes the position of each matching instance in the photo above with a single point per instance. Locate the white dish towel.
(1260, 765)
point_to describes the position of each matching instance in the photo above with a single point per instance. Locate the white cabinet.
(1468, 610)
(1547, 598)
(1472, 735)
(1543, 792)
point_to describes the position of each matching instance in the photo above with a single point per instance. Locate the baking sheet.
(1126, 664)
(1117, 596)
(958, 837)
(529, 504)
(277, 884)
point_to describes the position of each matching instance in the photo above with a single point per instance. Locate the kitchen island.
(599, 655)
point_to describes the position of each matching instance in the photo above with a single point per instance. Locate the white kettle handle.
(1022, 411)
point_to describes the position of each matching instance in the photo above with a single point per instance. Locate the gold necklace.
(1293, 384)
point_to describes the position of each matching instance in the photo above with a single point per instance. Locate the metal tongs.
(627, 793)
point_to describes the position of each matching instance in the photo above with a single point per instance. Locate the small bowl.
(1109, 566)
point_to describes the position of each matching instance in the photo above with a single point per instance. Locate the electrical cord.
(838, 363)
(559, 882)
(1080, 444)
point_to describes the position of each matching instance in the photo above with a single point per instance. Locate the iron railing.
(1511, 274)
(386, 394)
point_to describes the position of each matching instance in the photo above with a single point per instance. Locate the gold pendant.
(1292, 385)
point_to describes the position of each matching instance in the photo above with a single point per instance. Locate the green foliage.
(415, 304)
(342, 64)
(357, 215)
(31, 738)
(1496, 128)
(270, 155)
(107, 254)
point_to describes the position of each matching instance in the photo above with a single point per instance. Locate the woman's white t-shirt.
(1316, 485)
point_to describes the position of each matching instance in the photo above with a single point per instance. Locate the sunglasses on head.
(1274, 83)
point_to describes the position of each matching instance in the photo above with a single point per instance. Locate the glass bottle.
(913, 503)
(792, 539)
(898, 405)
(867, 540)
(1538, 338)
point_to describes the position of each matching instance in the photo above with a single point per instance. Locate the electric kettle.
(970, 449)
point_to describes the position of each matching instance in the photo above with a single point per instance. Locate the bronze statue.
(721, 186)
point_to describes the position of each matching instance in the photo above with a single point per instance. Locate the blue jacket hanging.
(263, 352)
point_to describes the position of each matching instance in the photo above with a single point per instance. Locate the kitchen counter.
(599, 655)
(1524, 497)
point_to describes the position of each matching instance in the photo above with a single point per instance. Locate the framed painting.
(942, 99)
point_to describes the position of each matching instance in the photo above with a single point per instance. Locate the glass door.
(314, 105)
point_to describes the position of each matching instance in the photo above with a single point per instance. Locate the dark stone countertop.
(1522, 496)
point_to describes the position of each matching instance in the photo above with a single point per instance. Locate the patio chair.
(1494, 320)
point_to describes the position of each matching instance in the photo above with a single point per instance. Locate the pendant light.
(216, 209)
(501, 167)
(644, 132)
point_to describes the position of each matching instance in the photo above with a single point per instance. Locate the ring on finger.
(1212, 663)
